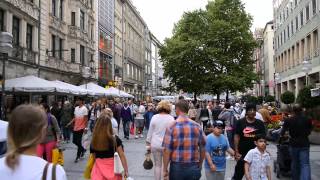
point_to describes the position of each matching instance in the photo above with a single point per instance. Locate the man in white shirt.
(258, 115)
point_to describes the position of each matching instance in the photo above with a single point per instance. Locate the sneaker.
(137, 137)
(77, 159)
(141, 136)
(83, 153)
(127, 137)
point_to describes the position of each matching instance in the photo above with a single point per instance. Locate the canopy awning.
(76, 90)
(33, 84)
(97, 90)
(119, 93)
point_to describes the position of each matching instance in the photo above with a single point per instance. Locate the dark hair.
(46, 107)
(227, 105)
(259, 136)
(297, 109)
(183, 106)
(80, 99)
(250, 106)
(197, 106)
(181, 98)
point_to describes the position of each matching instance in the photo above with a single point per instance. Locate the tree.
(287, 97)
(305, 100)
(270, 98)
(260, 99)
(211, 50)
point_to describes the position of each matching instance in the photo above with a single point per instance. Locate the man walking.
(184, 147)
(229, 119)
(126, 118)
(245, 132)
(299, 128)
(80, 126)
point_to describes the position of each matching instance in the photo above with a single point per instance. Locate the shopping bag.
(89, 166)
(132, 129)
(148, 164)
(118, 168)
(57, 156)
(86, 140)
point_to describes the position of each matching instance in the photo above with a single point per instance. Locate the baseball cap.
(218, 123)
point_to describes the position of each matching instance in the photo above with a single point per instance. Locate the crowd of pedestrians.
(183, 137)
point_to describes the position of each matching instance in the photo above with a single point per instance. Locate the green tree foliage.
(305, 100)
(287, 97)
(260, 99)
(270, 98)
(211, 50)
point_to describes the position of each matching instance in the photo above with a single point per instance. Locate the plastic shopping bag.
(132, 129)
(89, 166)
(86, 140)
(57, 156)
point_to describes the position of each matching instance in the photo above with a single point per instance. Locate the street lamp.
(5, 48)
(306, 67)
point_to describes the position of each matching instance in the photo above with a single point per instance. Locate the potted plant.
(312, 106)
(287, 97)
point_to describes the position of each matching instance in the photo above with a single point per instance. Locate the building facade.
(134, 50)
(267, 64)
(148, 65)
(257, 57)
(106, 28)
(118, 40)
(297, 61)
(51, 39)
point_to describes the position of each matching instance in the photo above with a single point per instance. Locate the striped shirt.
(185, 140)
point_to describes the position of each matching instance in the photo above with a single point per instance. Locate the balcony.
(62, 65)
(27, 7)
(31, 56)
(17, 53)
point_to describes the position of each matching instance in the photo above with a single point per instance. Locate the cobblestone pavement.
(135, 149)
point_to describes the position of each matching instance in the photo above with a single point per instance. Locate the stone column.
(297, 87)
(22, 33)
(8, 21)
(288, 86)
(35, 32)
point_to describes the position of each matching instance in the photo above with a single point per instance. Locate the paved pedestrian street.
(135, 150)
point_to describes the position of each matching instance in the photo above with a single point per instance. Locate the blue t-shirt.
(217, 146)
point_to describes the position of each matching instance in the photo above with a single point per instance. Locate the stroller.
(282, 165)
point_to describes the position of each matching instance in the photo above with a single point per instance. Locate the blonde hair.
(164, 106)
(102, 138)
(108, 111)
(25, 130)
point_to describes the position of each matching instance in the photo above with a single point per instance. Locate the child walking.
(258, 161)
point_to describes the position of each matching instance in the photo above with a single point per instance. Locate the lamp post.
(5, 48)
(306, 67)
(262, 87)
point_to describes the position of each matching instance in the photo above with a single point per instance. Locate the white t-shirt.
(3, 130)
(157, 130)
(29, 168)
(80, 111)
(140, 112)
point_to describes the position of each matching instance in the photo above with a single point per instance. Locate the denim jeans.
(300, 165)
(126, 128)
(66, 133)
(77, 140)
(184, 171)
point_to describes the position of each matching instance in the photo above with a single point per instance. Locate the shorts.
(139, 123)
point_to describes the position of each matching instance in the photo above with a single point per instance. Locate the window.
(73, 55)
(291, 28)
(307, 13)
(301, 18)
(29, 37)
(288, 31)
(297, 23)
(284, 36)
(53, 3)
(295, 3)
(53, 45)
(15, 30)
(81, 20)
(73, 18)
(81, 55)
(61, 10)
(314, 7)
(60, 48)
(1, 20)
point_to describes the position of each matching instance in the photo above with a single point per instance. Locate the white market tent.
(32, 84)
(119, 92)
(97, 90)
(76, 90)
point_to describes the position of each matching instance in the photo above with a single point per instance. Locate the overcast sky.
(160, 15)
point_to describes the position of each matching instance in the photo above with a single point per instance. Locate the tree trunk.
(227, 96)
(195, 97)
(218, 96)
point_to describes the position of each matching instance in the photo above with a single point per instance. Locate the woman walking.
(27, 127)
(49, 142)
(104, 145)
(158, 125)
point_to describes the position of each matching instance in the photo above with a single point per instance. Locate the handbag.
(132, 129)
(57, 156)
(148, 164)
(118, 168)
(89, 166)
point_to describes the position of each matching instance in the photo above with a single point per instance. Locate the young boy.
(258, 161)
(216, 148)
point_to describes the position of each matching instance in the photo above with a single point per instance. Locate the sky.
(161, 15)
